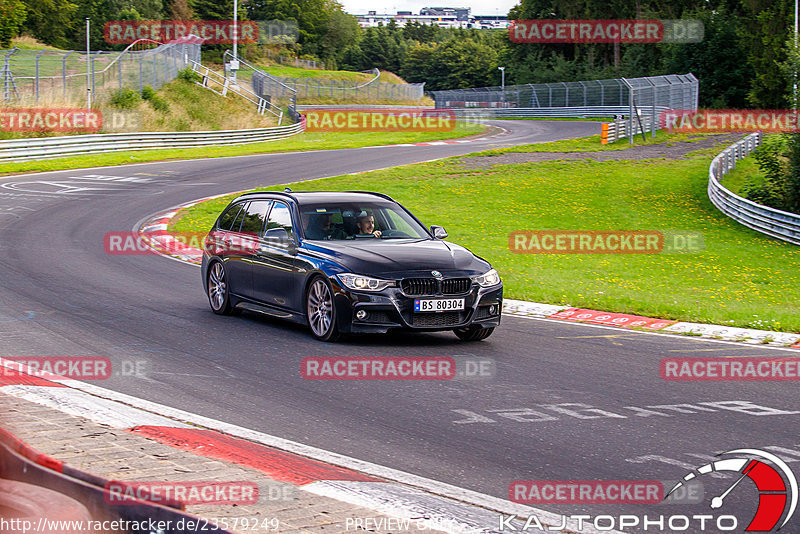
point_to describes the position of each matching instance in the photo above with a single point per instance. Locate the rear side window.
(230, 215)
(253, 221)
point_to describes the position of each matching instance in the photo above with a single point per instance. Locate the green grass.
(742, 278)
(296, 72)
(592, 144)
(297, 143)
(745, 173)
(583, 119)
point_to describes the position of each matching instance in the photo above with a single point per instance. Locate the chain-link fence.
(675, 91)
(48, 76)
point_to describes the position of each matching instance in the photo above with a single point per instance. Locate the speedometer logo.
(777, 485)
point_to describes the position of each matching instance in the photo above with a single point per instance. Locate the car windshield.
(332, 221)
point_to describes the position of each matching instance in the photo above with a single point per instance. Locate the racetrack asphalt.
(567, 401)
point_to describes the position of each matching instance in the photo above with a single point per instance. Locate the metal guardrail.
(770, 221)
(52, 147)
(494, 113)
(210, 78)
(620, 128)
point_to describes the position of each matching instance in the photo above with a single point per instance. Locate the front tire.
(218, 293)
(320, 310)
(473, 333)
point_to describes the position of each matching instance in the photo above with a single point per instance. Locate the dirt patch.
(677, 150)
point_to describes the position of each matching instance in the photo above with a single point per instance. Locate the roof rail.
(382, 195)
(281, 193)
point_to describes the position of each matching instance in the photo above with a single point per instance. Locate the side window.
(280, 217)
(253, 222)
(227, 218)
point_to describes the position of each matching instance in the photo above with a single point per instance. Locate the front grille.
(418, 286)
(450, 318)
(455, 286)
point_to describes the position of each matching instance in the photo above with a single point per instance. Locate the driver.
(366, 225)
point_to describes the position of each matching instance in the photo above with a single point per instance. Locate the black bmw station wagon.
(346, 262)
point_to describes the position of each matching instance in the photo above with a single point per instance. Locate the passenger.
(321, 227)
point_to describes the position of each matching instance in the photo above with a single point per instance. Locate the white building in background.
(445, 17)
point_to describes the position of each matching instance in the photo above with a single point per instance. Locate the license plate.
(436, 305)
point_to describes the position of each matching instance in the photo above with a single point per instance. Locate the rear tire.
(320, 310)
(218, 293)
(473, 333)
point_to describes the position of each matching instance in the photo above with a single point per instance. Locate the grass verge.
(741, 278)
(297, 143)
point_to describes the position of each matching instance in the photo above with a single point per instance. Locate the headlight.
(363, 283)
(487, 279)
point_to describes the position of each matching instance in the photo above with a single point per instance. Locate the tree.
(12, 15)
(179, 10)
(419, 63)
(213, 9)
(341, 30)
(716, 62)
(765, 29)
(50, 20)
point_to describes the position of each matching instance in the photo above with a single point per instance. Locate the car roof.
(316, 197)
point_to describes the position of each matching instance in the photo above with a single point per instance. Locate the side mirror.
(438, 232)
(277, 234)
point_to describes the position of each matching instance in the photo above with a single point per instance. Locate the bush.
(148, 92)
(188, 75)
(158, 103)
(125, 99)
(779, 160)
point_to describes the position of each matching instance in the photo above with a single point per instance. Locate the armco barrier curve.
(770, 221)
(20, 462)
(71, 145)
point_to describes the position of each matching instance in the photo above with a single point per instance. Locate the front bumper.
(392, 309)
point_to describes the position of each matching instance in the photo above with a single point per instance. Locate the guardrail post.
(37, 73)
(91, 63)
(64, 71)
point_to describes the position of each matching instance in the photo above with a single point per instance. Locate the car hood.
(400, 256)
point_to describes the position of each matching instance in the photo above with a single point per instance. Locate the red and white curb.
(166, 245)
(430, 504)
(522, 308)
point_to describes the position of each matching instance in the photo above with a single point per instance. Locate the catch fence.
(647, 96)
(48, 76)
